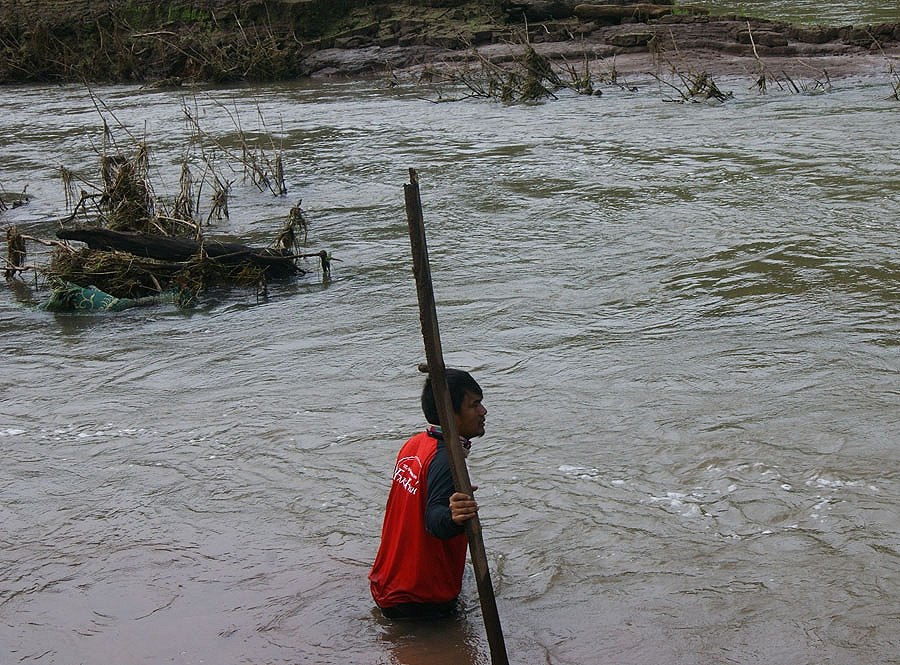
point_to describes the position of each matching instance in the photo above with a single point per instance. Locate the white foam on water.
(693, 511)
(831, 481)
(674, 499)
(582, 472)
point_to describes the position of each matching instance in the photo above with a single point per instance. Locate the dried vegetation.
(524, 75)
(141, 244)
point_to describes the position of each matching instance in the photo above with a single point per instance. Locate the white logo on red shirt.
(407, 473)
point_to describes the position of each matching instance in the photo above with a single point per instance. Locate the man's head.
(465, 395)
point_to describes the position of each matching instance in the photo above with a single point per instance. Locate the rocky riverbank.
(221, 41)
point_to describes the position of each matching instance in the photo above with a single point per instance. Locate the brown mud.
(219, 41)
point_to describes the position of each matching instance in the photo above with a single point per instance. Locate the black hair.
(459, 383)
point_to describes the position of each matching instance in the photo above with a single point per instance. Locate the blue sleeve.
(437, 507)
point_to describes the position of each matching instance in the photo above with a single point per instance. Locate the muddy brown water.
(686, 319)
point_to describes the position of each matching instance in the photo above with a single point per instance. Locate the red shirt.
(413, 566)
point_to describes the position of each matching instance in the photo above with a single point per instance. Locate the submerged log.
(276, 262)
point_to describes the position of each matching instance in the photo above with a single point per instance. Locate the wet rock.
(352, 42)
(482, 37)
(890, 31)
(449, 42)
(814, 35)
(413, 39)
(856, 36)
(630, 39)
(612, 14)
(548, 10)
(551, 31)
(540, 10)
(331, 61)
(767, 38)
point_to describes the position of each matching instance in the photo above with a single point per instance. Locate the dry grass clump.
(895, 80)
(690, 85)
(124, 223)
(261, 159)
(528, 77)
(696, 87)
(125, 275)
(16, 252)
(127, 200)
(118, 273)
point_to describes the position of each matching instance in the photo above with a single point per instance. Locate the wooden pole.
(437, 373)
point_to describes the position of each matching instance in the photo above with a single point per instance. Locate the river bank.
(223, 41)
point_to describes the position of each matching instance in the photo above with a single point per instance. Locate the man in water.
(419, 567)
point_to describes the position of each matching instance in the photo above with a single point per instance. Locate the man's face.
(470, 419)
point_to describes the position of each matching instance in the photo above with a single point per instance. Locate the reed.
(16, 252)
(219, 199)
(581, 79)
(892, 68)
(124, 200)
(263, 169)
(694, 87)
(528, 77)
(690, 85)
(184, 208)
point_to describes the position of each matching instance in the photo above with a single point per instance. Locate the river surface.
(868, 12)
(685, 318)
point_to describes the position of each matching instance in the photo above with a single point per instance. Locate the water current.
(686, 320)
(871, 12)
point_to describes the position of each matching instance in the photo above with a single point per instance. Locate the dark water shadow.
(452, 641)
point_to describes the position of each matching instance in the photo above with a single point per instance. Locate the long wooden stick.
(436, 370)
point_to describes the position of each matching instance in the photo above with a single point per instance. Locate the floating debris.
(135, 251)
(16, 252)
(88, 299)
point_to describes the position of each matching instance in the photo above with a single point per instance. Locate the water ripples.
(686, 332)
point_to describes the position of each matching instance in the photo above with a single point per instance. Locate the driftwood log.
(276, 262)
